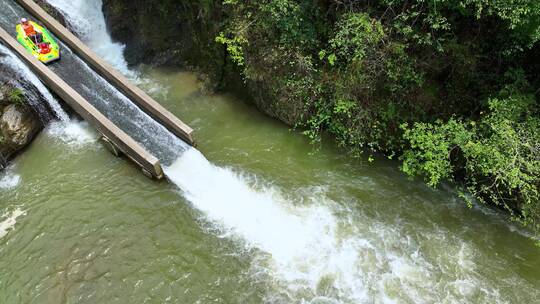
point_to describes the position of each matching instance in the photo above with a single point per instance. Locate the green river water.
(78, 225)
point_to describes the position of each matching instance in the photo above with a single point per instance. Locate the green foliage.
(521, 16)
(357, 34)
(430, 149)
(371, 80)
(500, 154)
(234, 47)
(433, 22)
(286, 18)
(16, 96)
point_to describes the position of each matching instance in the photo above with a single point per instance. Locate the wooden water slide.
(111, 133)
(136, 95)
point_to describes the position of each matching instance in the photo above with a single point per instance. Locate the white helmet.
(23, 20)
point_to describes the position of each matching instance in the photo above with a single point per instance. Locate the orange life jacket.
(29, 29)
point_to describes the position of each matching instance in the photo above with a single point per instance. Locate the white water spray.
(9, 179)
(303, 243)
(74, 134)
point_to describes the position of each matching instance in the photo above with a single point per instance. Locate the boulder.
(18, 125)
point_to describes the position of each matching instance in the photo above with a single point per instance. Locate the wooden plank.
(139, 97)
(122, 140)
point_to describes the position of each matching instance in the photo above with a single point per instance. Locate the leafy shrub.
(234, 46)
(16, 96)
(500, 154)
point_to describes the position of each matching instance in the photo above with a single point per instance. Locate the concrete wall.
(145, 102)
(119, 138)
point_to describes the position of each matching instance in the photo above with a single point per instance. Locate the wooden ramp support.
(149, 163)
(145, 102)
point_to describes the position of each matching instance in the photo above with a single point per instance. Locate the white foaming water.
(17, 65)
(302, 241)
(312, 255)
(9, 179)
(289, 234)
(87, 19)
(7, 222)
(227, 199)
(74, 133)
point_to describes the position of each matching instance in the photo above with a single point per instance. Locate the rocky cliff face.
(168, 32)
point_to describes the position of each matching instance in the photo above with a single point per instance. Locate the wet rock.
(19, 125)
(19, 122)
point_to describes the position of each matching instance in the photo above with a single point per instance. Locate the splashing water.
(9, 179)
(75, 134)
(310, 254)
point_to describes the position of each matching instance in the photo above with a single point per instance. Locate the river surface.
(262, 218)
